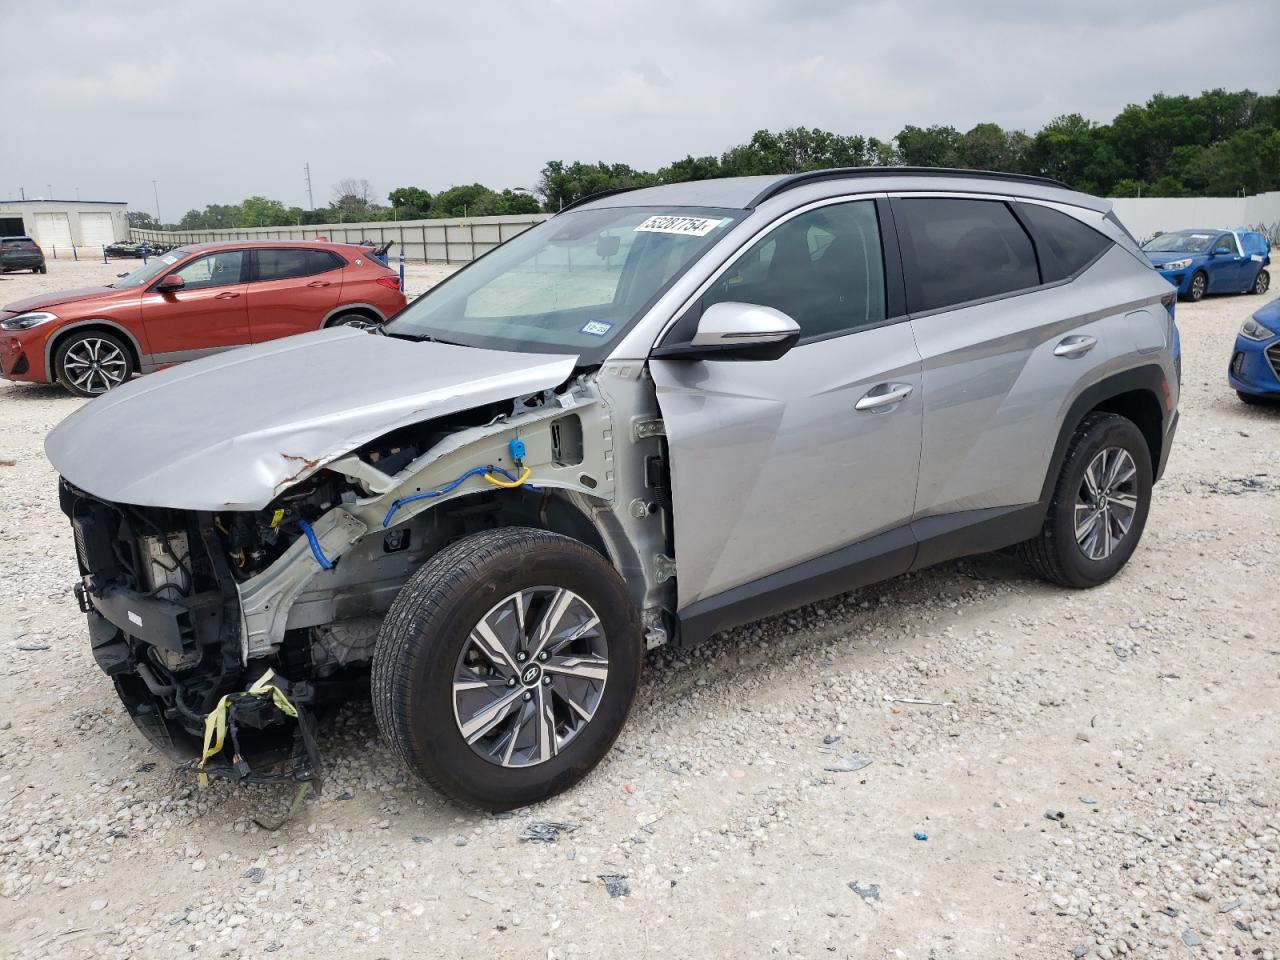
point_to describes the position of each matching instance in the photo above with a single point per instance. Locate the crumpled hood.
(232, 431)
(45, 300)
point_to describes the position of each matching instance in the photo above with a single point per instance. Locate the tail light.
(391, 283)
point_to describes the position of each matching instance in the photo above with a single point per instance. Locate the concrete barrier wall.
(441, 241)
(1144, 216)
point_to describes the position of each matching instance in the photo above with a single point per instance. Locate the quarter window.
(1066, 246)
(823, 268)
(216, 270)
(282, 264)
(962, 250)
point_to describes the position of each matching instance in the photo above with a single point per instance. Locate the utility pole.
(23, 192)
(311, 203)
(156, 190)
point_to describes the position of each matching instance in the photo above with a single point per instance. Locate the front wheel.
(1199, 287)
(1099, 505)
(506, 667)
(91, 363)
(1261, 283)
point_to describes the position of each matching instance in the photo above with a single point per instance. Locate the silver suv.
(659, 414)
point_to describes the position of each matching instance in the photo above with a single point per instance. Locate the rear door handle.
(318, 283)
(883, 395)
(226, 296)
(1074, 346)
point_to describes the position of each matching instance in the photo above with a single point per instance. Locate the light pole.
(156, 190)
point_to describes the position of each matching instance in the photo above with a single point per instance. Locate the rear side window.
(823, 268)
(281, 264)
(1066, 245)
(962, 250)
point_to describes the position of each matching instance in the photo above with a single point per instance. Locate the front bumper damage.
(175, 661)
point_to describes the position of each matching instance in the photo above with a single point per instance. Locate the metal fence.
(439, 241)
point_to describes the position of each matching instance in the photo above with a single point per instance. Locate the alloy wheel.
(1263, 283)
(530, 676)
(94, 365)
(1106, 502)
(1198, 284)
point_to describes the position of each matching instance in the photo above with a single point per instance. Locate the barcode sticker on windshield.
(685, 226)
(169, 260)
(596, 328)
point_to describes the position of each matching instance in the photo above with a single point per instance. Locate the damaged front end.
(165, 624)
(187, 608)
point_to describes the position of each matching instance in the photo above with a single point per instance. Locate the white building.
(60, 223)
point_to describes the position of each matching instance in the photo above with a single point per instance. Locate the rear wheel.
(91, 363)
(357, 320)
(1199, 286)
(1099, 505)
(506, 666)
(1261, 283)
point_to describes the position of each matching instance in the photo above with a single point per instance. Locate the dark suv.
(21, 253)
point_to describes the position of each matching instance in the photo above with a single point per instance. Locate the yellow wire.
(217, 522)
(509, 484)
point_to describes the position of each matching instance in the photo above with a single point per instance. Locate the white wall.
(1146, 215)
(453, 240)
(27, 209)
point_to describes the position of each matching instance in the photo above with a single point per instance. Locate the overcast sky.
(222, 100)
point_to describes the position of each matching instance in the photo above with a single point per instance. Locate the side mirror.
(737, 331)
(171, 283)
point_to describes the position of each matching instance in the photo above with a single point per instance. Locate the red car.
(188, 303)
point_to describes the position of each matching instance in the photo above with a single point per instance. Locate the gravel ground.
(1099, 780)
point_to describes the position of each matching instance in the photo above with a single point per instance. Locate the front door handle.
(318, 283)
(883, 395)
(226, 296)
(1074, 346)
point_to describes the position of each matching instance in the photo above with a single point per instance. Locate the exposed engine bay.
(187, 608)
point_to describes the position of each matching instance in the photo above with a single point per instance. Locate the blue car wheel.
(1199, 284)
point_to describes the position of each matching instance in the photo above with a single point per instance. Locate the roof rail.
(599, 195)
(836, 173)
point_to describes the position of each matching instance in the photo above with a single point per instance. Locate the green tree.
(931, 147)
(459, 201)
(1248, 162)
(261, 212)
(560, 184)
(143, 221)
(413, 203)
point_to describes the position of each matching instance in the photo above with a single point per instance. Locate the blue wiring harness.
(517, 449)
(316, 552)
(453, 485)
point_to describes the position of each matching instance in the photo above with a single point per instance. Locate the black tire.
(67, 373)
(1261, 283)
(1055, 554)
(44, 268)
(357, 320)
(35, 269)
(429, 626)
(1198, 287)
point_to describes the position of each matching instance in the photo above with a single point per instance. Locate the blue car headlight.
(1251, 329)
(1177, 264)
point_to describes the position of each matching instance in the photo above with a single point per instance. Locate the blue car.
(1211, 261)
(1255, 362)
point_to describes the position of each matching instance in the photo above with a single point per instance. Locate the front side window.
(282, 264)
(1226, 244)
(822, 268)
(1066, 246)
(962, 250)
(215, 270)
(570, 285)
(155, 268)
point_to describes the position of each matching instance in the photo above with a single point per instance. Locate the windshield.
(1179, 243)
(153, 268)
(570, 285)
